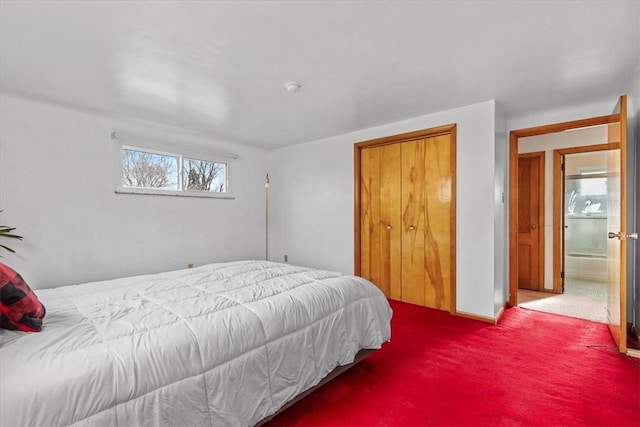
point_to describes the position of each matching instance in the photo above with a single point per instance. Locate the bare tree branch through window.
(204, 176)
(144, 169)
(149, 170)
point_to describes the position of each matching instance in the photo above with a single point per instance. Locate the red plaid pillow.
(21, 309)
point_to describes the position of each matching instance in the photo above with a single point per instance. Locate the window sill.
(196, 194)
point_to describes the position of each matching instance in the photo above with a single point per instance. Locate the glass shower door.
(585, 233)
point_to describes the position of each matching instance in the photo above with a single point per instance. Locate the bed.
(220, 344)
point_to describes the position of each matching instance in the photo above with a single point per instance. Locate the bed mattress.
(221, 344)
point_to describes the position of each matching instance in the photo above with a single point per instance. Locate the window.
(143, 169)
(203, 175)
(154, 172)
(585, 217)
(586, 195)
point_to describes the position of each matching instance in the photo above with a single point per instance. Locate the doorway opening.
(572, 261)
(617, 210)
(581, 180)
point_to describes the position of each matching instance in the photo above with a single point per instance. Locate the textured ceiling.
(220, 67)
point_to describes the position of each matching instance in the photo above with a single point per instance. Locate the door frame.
(514, 137)
(541, 212)
(558, 206)
(449, 129)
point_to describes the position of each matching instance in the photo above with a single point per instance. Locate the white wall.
(57, 185)
(312, 198)
(501, 212)
(548, 143)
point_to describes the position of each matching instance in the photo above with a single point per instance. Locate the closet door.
(380, 201)
(428, 212)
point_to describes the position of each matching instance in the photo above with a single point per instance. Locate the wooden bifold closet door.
(381, 199)
(405, 217)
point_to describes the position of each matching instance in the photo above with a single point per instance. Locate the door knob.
(411, 227)
(620, 235)
(389, 227)
(533, 226)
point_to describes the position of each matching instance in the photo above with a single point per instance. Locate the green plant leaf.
(9, 249)
(5, 231)
(12, 236)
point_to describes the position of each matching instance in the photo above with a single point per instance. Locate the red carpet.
(531, 369)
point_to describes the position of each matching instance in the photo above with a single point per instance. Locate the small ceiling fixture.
(292, 87)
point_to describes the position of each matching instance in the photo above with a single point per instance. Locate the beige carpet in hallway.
(567, 305)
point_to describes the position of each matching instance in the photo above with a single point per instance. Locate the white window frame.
(180, 154)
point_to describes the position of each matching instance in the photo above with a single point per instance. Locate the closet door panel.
(438, 222)
(427, 222)
(365, 215)
(390, 219)
(380, 200)
(413, 211)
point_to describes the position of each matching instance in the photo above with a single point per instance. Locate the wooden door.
(531, 221)
(616, 226)
(428, 227)
(380, 193)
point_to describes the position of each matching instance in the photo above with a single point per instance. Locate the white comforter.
(221, 344)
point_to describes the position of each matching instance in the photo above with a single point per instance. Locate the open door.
(616, 226)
